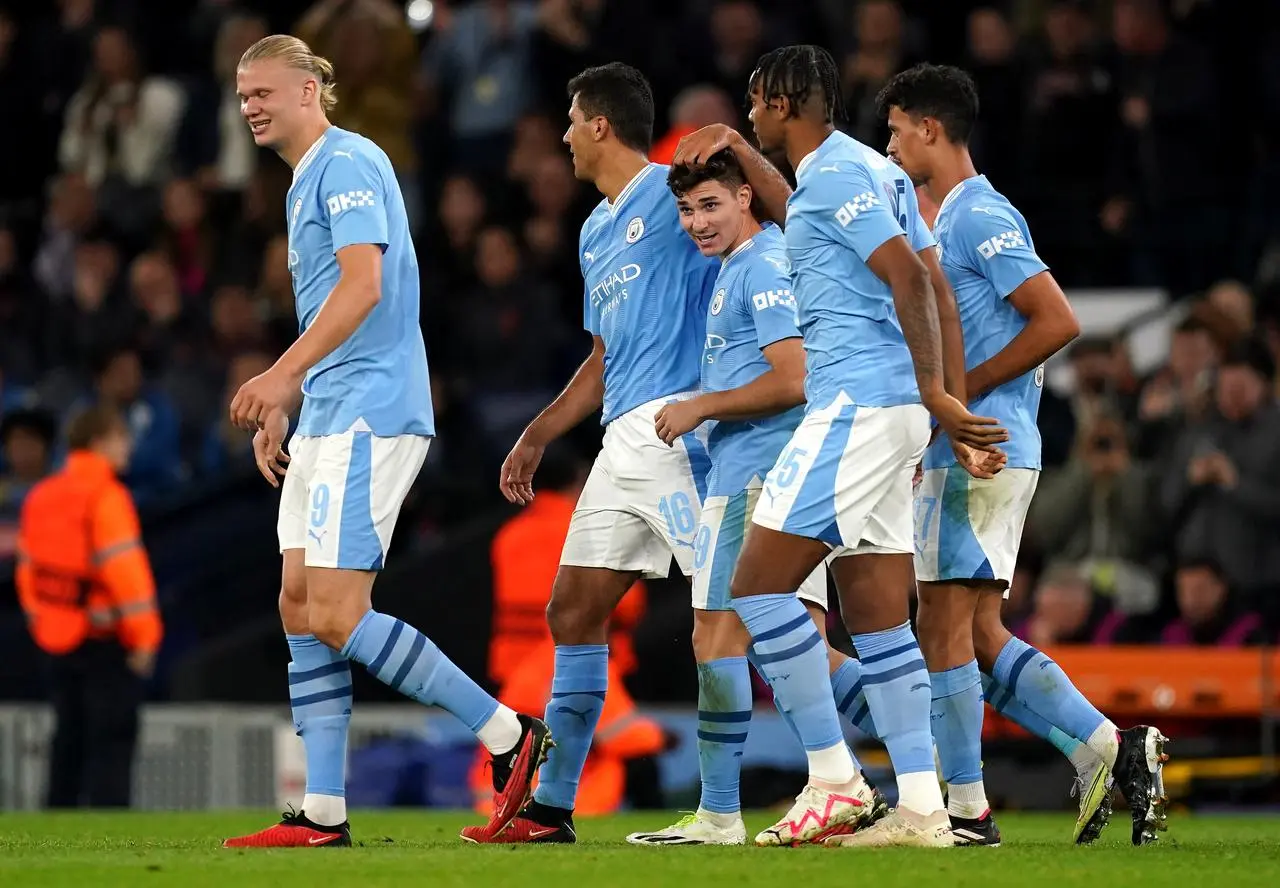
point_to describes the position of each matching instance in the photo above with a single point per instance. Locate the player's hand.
(697, 147)
(980, 432)
(676, 419)
(984, 464)
(268, 447)
(516, 481)
(273, 390)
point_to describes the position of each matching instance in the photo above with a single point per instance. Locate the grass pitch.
(399, 848)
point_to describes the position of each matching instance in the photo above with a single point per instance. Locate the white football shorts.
(342, 495)
(642, 501)
(970, 528)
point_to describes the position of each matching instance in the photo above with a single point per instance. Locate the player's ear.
(784, 107)
(745, 194)
(599, 128)
(930, 129)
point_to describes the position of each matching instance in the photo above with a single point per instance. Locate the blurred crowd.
(143, 260)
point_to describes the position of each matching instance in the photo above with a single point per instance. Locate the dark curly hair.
(800, 73)
(943, 92)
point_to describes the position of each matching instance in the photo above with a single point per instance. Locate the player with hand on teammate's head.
(874, 351)
(1015, 317)
(753, 396)
(360, 370)
(646, 291)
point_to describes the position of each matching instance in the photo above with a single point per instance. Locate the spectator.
(225, 446)
(156, 465)
(1181, 392)
(694, 108)
(1207, 612)
(27, 439)
(72, 213)
(1221, 499)
(1094, 512)
(120, 122)
(1065, 610)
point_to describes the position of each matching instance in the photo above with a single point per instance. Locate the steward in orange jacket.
(86, 587)
(526, 555)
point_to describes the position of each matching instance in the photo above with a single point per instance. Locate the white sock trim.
(968, 800)
(1105, 743)
(832, 765)
(919, 792)
(324, 810)
(501, 732)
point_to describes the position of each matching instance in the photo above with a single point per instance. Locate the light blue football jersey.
(849, 200)
(752, 308)
(646, 294)
(344, 192)
(986, 254)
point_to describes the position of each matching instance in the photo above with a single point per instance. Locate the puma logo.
(582, 716)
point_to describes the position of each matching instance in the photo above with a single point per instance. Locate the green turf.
(421, 848)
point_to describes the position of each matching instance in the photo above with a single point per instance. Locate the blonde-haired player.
(360, 370)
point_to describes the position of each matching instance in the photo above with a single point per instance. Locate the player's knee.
(718, 634)
(333, 624)
(293, 604)
(576, 619)
(989, 637)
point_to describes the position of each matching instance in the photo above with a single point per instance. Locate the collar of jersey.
(955, 192)
(631, 187)
(740, 248)
(809, 158)
(309, 155)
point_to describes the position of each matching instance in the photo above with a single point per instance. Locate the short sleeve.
(766, 294)
(999, 248)
(918, 233)
(853, 209)
(355, 198)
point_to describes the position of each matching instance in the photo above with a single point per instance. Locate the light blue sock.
(1004, 702)
(724, 714)
(786, 719)
(1042, 686)
(956, 719)
(320, 696)
(896, 683)
(851, 701)
(405, 660)
(793, 658)
(577, 698)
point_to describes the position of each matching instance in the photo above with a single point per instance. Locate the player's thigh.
(293, 592)
(357, 486)
(774, 562)
(291, 523)
(582, 599)
(337, 599)
(718, 542)
(873, 491)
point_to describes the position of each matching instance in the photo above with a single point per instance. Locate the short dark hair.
(39, 423)
(1254, 354)
(621, 95)
(943, 92)
(91, 425)
(722, 167)
(795, 73)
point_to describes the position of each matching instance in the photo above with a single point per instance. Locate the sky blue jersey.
(751, 309)
(344, 192)
(849, 200)
(986, 253)
(646, 293)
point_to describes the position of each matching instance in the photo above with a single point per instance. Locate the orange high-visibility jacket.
(526, 555)
(82, 572)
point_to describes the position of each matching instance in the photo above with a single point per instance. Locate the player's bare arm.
(953, 371)
(779, 388)
(763, 177)
(916, 305)
(358, 291)
(1051, 325)
(581, 397)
